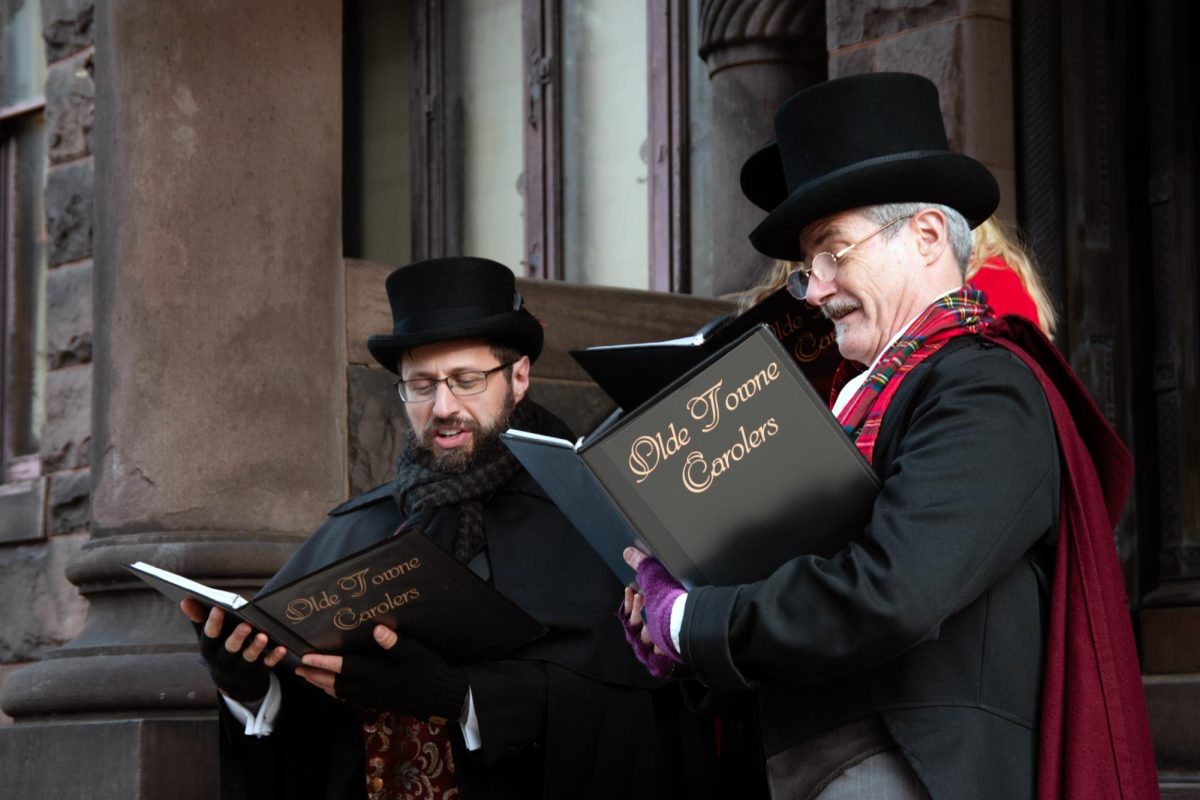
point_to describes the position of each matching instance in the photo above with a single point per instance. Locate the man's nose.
(819, 291)
(445, 404)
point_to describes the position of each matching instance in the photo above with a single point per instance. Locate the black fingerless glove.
(244, 681)
(409, 679)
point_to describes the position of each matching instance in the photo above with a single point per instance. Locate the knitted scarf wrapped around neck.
(420, 487)
(957, 313)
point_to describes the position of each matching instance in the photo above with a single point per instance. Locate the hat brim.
(517, 329)
(950, 179)
(762, 178)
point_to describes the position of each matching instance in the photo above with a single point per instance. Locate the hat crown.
(859, 141)
(460, 297)
(840, 123)
(443, 290)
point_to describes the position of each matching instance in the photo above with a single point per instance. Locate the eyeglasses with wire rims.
(460, 384)
(824, 265)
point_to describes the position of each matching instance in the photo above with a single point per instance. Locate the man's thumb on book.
(386, 637)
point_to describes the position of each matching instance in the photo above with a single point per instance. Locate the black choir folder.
(633, 373)
(405, 582)
(729, 472)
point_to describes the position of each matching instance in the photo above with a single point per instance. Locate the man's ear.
(932, 233)
(520, 378)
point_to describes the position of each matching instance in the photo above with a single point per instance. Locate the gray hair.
(957, 227)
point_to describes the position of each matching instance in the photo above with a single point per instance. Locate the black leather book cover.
(633, 373)
(734, 469)
(405, 582)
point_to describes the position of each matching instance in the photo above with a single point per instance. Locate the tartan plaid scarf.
(958, 313)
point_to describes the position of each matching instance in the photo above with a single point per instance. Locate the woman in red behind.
(1002, 271)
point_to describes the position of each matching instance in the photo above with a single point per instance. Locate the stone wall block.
(44, 609)
(70, 502)
(66, 26)
(377, 427)
(69, 212)
(854, 21)
(70, 108)
(858, 61)
(67, 435)
(22, 511)
(69, 315)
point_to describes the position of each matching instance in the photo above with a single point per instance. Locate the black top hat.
(455, 298)
(859, 141)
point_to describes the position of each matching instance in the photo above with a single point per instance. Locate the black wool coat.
(934, 616)
(570, 715)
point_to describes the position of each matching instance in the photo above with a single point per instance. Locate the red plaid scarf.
(958, 313)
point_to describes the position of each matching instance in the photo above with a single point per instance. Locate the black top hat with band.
(455, 298)
(859, 141)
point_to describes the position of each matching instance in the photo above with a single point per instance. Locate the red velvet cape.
(1095, 734)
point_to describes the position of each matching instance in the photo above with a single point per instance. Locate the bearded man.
(571, 714)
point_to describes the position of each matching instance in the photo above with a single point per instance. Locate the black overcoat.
(570, 715)
(934, 616)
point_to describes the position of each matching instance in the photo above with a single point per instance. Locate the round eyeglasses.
(460, 384)
(824, 265)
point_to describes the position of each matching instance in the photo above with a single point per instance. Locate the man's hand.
(238, 668)
(657, 593)
(407, 678)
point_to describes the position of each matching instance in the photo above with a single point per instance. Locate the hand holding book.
(234, 664)
(406, 678)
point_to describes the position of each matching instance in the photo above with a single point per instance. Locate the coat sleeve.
(971, 488)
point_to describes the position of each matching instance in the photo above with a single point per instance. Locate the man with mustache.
(942, 652)
(571, 714)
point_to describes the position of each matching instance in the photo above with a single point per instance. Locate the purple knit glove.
(659, 591)
(657, 664)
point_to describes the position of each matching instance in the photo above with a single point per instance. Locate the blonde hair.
(994, 240)
(990, 240)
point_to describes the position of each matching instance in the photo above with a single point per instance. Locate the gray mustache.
(834, 308)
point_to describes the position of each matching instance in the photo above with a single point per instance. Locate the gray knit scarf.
(420, 487)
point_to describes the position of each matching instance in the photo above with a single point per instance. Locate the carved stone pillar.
(219, 378)
(758, 53)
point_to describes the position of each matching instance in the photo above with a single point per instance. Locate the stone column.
(759, 53)
(219, 372)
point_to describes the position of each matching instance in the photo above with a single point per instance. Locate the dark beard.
(485, 443)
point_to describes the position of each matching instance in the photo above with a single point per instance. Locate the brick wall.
(48, 523)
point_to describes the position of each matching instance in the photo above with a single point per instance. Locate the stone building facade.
(224, 186)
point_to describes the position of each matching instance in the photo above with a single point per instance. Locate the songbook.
(405, 582)
(633, 373)
(730, 471)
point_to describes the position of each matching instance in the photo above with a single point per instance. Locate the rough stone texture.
(136, 759)
(51, 610)
(22, 511)
(68, 431)
(581, 405)
(853, 21)
(70, 500)
(5, 671)
(70, 108)
(856, 61)
(66, 27)
(69, 315)
(376, 426)
(69, 212)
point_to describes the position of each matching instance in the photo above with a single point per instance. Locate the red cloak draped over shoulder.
(1095, 734)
